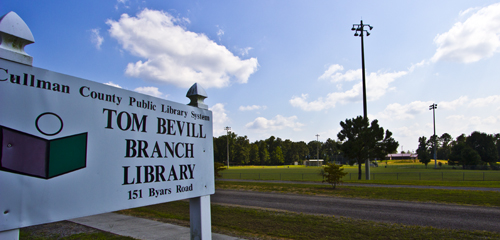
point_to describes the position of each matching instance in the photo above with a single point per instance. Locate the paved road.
(408, 213)
(372, 185)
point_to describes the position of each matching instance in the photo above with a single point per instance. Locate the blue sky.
(291, 69)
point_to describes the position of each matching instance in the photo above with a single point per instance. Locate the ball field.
(392, 171)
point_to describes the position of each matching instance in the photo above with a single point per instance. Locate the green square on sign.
(67, 154)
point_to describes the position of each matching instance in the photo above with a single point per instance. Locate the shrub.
(217, 168)
(332, 173)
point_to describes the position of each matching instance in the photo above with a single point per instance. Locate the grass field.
(478, 198)
(269, 224)
(403, 172)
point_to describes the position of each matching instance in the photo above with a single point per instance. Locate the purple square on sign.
(23, 153)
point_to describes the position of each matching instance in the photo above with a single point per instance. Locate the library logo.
(30, 155)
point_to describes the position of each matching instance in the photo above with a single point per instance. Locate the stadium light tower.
(227, 140)
(360, 31)
(433, 108)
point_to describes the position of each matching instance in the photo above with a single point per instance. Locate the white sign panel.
(72, 147)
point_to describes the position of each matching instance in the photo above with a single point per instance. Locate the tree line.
(476, 151)
(358, 140)
(272, 151)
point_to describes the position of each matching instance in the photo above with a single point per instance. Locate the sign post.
(71, 147)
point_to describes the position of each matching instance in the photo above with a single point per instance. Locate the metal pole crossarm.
(433, 106)
(360, 28)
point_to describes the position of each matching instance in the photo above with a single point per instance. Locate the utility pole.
(433, 107)
(360, 28)
(227, 140)
(317, 148)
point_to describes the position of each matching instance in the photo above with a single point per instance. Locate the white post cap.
(197, 96)
(14, 36)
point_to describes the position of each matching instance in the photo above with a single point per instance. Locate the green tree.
(423, 151)
(463, 154)
(445, 148)
(433, 140)
(254, 154)
(333, 173)
(231, 139)
(330, 148)
(300, 151)
(263, 153)
(471, 157)
(456, 154)
(270, 145)
(484, 145)
(313, 147)
(241, 150)
(361, 141)
(277, 157)
(220, 149)
(286, 147)
(497, 144)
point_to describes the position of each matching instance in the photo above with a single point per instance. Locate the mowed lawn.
(401, 173)
(274, 224)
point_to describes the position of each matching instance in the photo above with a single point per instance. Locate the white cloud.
(453, 104)
(122, 2)
(333, 74)
(316, 105)
(96, 38)
(377, 85)
(277, 123)
(414, 131)
(177, 56)
(487, 101)
(220, 119)
(462, 124)
(251, 108)
(396, 111)
(244, 51)
(416, 65)
(220, 33)
(152, 91)
(490, 120)
(472, 40)
(468, 11)
(113, 84)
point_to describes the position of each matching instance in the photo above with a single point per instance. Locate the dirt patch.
(57, 230)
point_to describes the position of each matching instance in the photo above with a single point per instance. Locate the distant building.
(313, 162)
(401, 156)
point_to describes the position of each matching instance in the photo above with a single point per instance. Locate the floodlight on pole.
(227, 140)
(359, 28)
(433, 107)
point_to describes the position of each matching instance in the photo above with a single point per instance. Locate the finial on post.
(197, 95)
(14, 36)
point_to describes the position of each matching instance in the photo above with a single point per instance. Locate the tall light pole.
(317, 148)
(227, 140)
(433, 108)
(359, 28)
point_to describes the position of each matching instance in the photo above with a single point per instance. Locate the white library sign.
(71, 147)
